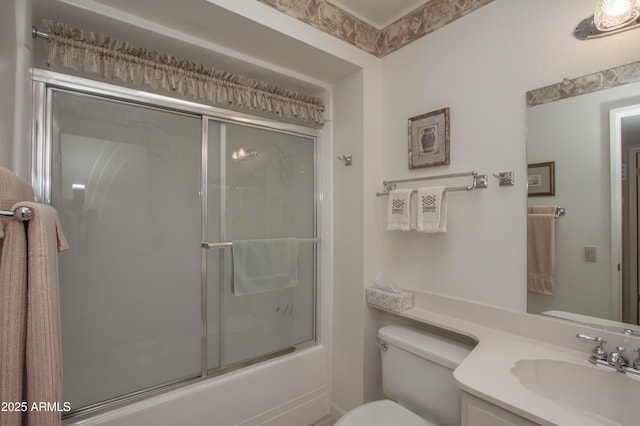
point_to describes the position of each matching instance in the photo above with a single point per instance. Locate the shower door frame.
(44, 82)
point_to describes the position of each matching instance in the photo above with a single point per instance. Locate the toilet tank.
(417, 372)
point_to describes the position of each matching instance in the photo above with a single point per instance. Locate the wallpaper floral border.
(605, 79)
(329, 18)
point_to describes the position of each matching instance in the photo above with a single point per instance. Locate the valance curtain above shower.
(95, 53)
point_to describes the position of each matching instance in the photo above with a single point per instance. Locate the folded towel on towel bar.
(264, 265)
(399, 210)
(432, 209)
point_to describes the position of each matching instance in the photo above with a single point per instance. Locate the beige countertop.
(503, 338)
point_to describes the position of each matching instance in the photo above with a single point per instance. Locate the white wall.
(348, 316)
(480, 66)
(16, 58)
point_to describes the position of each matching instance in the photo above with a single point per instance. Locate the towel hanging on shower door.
(264, 265)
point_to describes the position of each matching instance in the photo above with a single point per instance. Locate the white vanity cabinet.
(477, 412)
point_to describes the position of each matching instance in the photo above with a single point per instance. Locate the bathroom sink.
(598, 393)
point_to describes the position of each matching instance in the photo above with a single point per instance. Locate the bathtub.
(292, 390)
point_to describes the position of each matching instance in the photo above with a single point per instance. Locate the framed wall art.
(429, 139)
(541, 179)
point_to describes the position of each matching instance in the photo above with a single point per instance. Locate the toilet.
(417, 377)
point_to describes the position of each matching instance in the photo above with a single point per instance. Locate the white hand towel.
(264, 265)
(399, 211)
(432, 209)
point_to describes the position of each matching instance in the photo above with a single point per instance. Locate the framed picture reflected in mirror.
(541, 180)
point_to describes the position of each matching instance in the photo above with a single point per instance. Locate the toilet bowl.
(417, 377)
(384, 412)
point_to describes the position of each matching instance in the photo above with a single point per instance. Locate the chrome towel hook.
(347, 159)
(506, 178)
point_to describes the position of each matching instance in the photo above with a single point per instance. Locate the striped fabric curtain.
(95, 53)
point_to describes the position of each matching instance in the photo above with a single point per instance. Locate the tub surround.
(504, 337)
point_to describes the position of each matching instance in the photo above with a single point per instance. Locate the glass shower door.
(126, 181)
(261, 186)
(144, 305)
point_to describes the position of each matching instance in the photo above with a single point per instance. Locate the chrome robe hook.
(347, 159)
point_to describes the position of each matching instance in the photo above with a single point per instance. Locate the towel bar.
(230, 244)
(479, 181)
(21, 213)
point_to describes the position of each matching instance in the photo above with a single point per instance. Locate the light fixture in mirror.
(243, 154)
(570, 123)
(610, 17)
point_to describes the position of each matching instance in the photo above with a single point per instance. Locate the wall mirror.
(589, 129)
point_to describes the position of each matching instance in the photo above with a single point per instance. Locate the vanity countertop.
(504, 337)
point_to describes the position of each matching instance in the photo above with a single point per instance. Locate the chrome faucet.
(617, 360)
(614, 360)
(636, 362)
(598, 352)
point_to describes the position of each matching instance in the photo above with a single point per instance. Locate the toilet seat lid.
(382, 413)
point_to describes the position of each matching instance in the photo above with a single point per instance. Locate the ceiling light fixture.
(610, 17)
